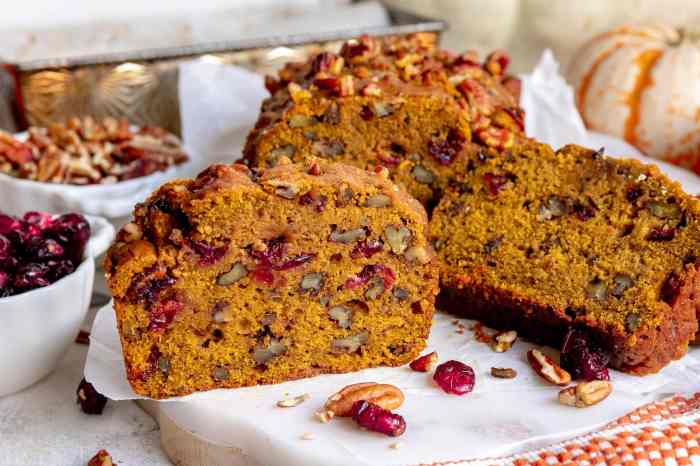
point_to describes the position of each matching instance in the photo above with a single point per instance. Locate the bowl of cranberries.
(47, 269)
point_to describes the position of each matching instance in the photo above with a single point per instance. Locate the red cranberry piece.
(330, 84)
(366, 113)
(446, 150)
(495, 183)
(4, 283)
(584, 212)
(8, 224)
(425, 363)
(671, 288)
(319, 202)
(59, 269)
(377, 419)
(388, 160)
(455, 377)
(31, 276)
(72, 231)
(633, 193)
(366, 249)
(500, 58)
(41, 249)
(354, 49)
(295, 261)
(162, 315)
(369, 271)
(208, 254)
(661, 234)
(322, 62)
(276, 249)
(89, 399)
(146, 286)
(582, 359)
(263, 274)
(5, 249)
(40, 219)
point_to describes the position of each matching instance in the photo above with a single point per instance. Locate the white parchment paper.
(499, 417)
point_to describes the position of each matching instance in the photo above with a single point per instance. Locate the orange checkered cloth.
(663, 433)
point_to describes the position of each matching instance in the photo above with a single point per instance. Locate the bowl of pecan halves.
(93, 167)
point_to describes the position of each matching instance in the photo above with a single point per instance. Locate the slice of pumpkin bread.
(541, 241)
(400, 102)
(239, 278)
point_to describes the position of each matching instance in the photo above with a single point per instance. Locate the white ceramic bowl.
(37, 327)
(114, 202)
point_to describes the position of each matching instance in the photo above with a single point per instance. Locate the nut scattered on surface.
(547, 368)
(292, 402)
(383, 395)
(324, 416)
(396, 445)
(425, 363)
(101, 458)
(586, 393)
(307, 436)
(503, 341)
(503, 372)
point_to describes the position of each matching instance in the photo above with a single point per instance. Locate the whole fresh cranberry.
(41, 219)
(5, 249)
(31, 276)
(7, 224)
(44, 249)
(59, 269)
(377, 419)
(90, 400)
(4, 284)
(582, 358)
(454, 377)
(72, 231)
(22, 234)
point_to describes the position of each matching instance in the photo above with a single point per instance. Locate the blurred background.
(35, 29)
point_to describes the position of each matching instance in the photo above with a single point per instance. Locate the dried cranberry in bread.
(539, 241)
(236, 278)
(399, 102)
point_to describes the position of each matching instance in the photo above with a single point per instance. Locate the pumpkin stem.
(688, 33)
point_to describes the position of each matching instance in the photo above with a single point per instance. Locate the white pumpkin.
(642, 83)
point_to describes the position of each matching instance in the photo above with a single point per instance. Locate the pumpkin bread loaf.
(239, 278)
(541, 241)
(402, 103)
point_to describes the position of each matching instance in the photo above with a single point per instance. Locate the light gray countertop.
(43, 425)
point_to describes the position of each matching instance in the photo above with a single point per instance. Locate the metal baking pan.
(143, 85)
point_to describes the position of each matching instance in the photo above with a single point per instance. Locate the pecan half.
(586, 393)
(383, 395)
(503, 341)
(503, 372)
(547, 368)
